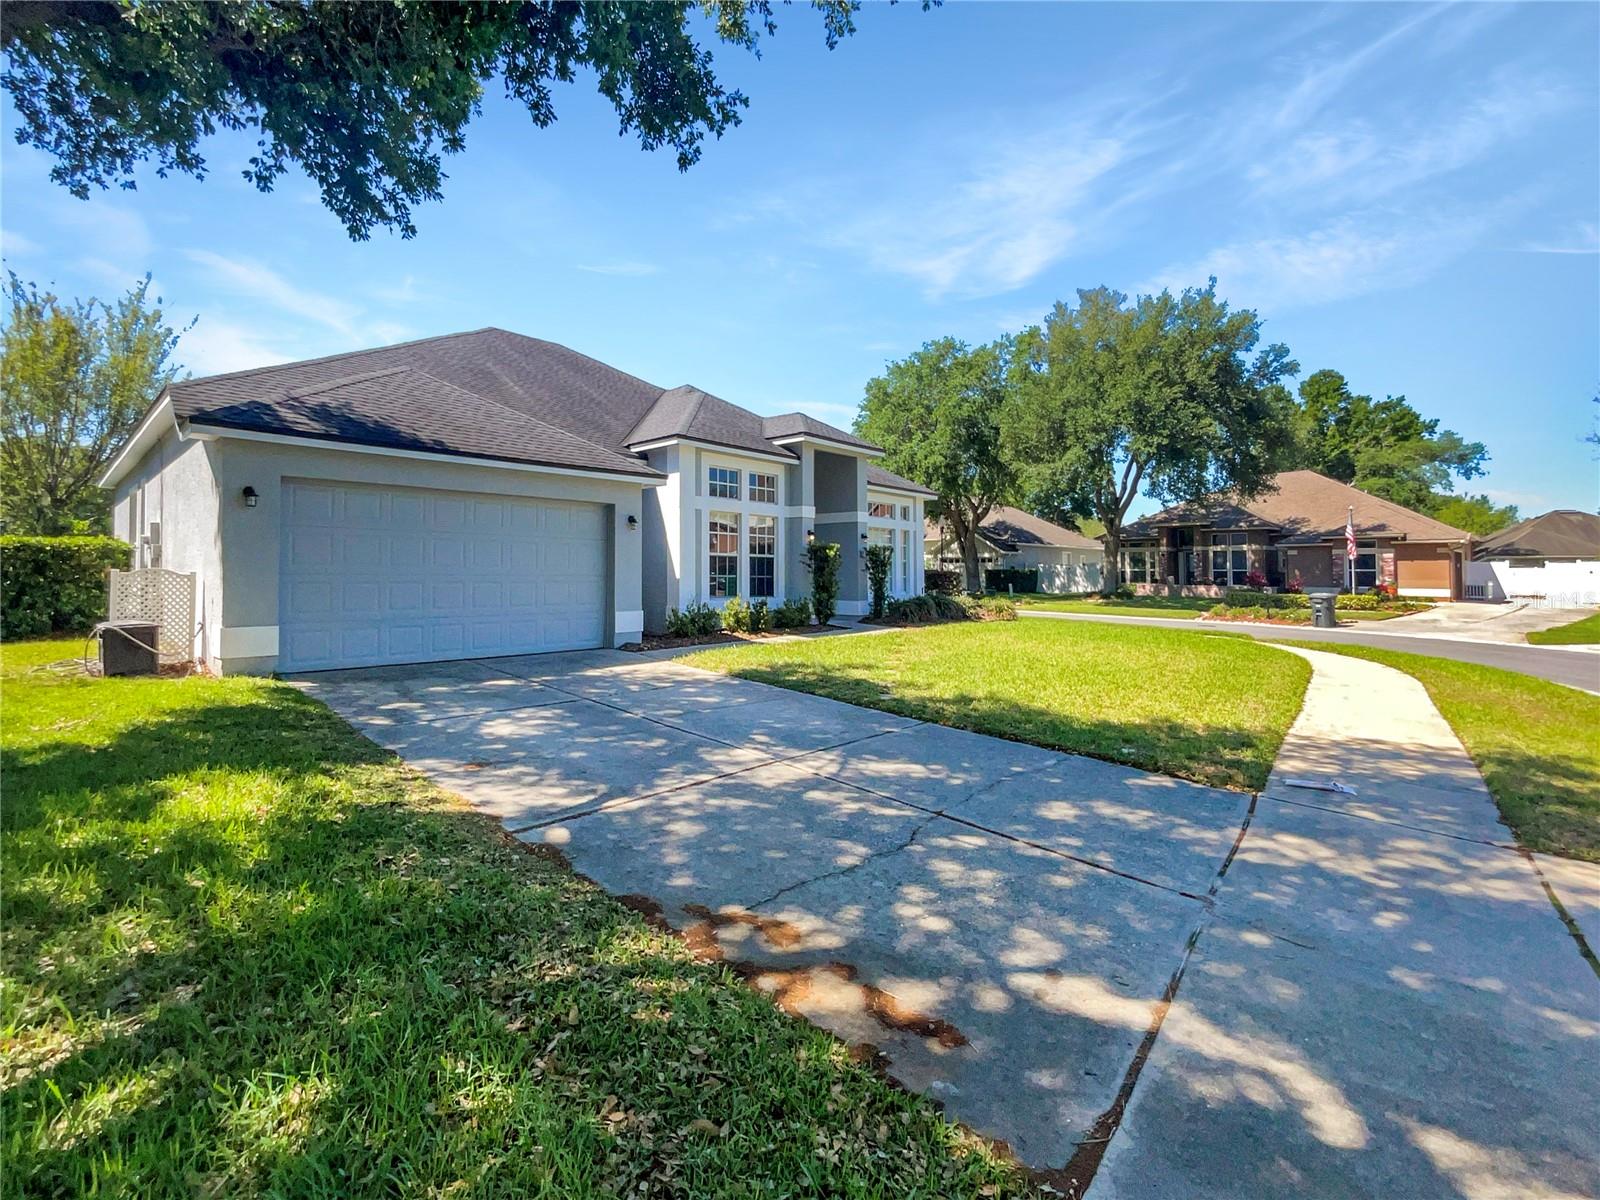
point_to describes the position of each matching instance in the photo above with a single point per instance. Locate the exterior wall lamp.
(633, 521)
(250, 497)
(811, 536)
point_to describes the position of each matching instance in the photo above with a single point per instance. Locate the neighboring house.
(1552, 560)
(1066, 560)
(483, 494)
(1294, 532)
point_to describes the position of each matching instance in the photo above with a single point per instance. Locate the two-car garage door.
(373, 575)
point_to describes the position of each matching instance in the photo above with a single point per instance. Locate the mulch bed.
(722, 638)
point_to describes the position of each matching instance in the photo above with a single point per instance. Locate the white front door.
(373, 575)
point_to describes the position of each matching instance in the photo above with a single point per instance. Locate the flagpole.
(1350, 549)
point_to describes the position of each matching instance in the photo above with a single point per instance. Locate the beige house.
(1295, 534)
(484, 494)
(1066, 560)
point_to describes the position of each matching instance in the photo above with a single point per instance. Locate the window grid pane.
(905, 559)
(878, 508)
(723, 483)
(763, 488)
(763, 556)
(724, 555)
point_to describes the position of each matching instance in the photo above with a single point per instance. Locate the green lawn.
(247, 953)
(1204, 706)
(1537, 744)
(1582, 632)
(1183, 607)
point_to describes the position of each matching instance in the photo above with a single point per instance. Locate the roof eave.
(151, 429)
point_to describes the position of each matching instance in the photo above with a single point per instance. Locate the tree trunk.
(1111, 574)
(969, 559)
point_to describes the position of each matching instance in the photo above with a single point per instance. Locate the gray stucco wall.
(841, 491)
(194, 488)
(175, 487)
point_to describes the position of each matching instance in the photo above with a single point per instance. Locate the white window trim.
(896, 527)
(745, 508)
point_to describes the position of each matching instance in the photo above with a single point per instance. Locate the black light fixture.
(250, 497)
(633, 521)
(811, 536)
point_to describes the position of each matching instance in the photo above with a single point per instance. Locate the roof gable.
(1563, 533)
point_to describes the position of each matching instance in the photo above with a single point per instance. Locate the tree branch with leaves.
(77, 377)
(936, 413)
(1161, 396)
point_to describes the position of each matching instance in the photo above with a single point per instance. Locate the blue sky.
(1408, 194)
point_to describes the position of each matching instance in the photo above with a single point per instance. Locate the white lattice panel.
(165, 597)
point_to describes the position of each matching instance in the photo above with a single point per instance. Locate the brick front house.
(1294, 532)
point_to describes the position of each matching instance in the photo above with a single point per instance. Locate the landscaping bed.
(1534, 742)
(248, 953)
(1179, 607)
(937, 607)
(1201, 706)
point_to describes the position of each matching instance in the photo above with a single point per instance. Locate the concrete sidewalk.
(1385, 1002)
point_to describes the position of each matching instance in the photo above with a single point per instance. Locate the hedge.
(1349, 601)
(55, 584)
(1001, 579)
(942, 582)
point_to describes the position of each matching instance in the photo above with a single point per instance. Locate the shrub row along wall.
(55, 585)
(1349, 601)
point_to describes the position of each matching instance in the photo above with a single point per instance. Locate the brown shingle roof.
(1304, 506)
(1564, 533)
(878, 477)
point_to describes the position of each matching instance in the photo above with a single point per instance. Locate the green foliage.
(247, 953)
(880, 560)
(1585, 631)
(990, 608)
(76, 378)
(937, 580)
(1161, 396)
(760, 617)
(736, 615)
(364, 98)
(792, 614)
(696, 620)
(1248, 598)
(55, 585)
(1344, 601)
(1381, 446)
(936, 413)
(1012, 578)
(822, 558)
(1478, 515)
(926, 608)
(1285, 614)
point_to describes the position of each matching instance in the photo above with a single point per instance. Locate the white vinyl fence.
(1059, 577)
(1553, 585)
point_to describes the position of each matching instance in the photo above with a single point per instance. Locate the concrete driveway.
(1377, 998)
(999, 922)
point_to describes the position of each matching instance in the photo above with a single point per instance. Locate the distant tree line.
(1167, 396)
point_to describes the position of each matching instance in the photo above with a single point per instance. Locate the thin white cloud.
(216, 347)
(1319, 85)
(262, 283)
(17, 245)
(625, 269)
(1345, 258)
(404, 292)
(982, 223)
(1584, 239)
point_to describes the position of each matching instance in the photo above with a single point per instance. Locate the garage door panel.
(374, 575)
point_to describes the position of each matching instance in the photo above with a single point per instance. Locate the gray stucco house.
(480, 494)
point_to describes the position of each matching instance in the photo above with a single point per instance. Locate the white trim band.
(630, 622)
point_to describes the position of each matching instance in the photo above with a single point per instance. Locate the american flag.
(1350, 535)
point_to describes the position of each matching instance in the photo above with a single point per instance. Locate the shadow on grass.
(247, 950)
(1231, 756)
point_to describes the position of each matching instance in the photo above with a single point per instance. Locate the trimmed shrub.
(920, 610)
(880, 559)
(942, 582)
(1249, 598)
(55, 584)
(823, 560)
(696, 620)
(736, 616)
(1260, 612)
(1361, 601)
(792, 614)
(760, 617)
(1004, 578)
(990, 608)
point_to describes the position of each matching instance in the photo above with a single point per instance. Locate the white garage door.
(376, 575)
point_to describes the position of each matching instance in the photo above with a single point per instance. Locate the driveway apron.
(1362, 991)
